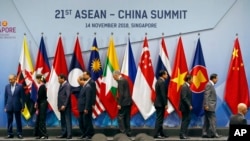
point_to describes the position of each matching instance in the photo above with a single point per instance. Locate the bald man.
(239, 119)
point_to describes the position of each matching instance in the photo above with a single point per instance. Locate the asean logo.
(200, 78)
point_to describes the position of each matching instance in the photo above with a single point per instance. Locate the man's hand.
(85, 111)
(166, 107)
(206, 108)
(119, 107)
(62, 108)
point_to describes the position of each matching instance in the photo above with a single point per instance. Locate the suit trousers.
(209, 126)
(88, 124)
(81, 120)
(124, 119)
(186, 117)
(18, 122)
(66, 124)
(159, 121)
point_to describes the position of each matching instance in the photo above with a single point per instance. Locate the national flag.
(164, 64)
(75, 70)
(59, 67)
(200, 78)
(128, 71)
(109, 85)
(24, 77)
(144, 91)
(236, 89)
(95, 69)
(42, 67)
(177, 78)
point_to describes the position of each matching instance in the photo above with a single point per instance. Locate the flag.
(24, 77)
(75, 70)
(200, 79)
(59, 67)
(143, 92)
(128, 71)
(164, 64)
(236, 89)
(95, 69)
(179, 72)
(42, 67)
(109, 85)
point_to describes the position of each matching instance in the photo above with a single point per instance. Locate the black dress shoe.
(44, 137)
(205, 136)
(216, 136)
(61, 136)
(20, 136)
(164, 136)
(82, 137)
(10, 136)
(184, 137)
(69, 137)
(88, 137)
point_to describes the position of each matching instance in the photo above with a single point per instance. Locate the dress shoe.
(61, 136)
(82, 137)
(216, 136)
(205, 136)
(184, 137)
(69, 137)
(88, 137)
(164, 136)
(20, 136)
(44, 137)
(10, 136)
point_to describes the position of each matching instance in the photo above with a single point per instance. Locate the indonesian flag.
(59, 67)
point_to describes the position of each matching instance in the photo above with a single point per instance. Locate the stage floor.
(171, 138)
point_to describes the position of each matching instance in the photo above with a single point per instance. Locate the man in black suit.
(185, 106)
(124, 102)
(64, 106)
(161, 103)
(86, 101)
(87, 76)
(238, 119)
(209, 104)
(14, 104)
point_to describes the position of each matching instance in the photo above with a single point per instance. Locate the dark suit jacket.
(161, 93)
(186, 98)
(210, 97)
(85, 98)
(124, 98)
(14, 102)
(93, 86)
(63, 98)
(238, 119)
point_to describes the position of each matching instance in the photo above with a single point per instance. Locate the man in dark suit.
(161, 103)
(64, 106)
(87, 76)
(185, 106)
(86, 101)
(209, 104)
(124, 102)
(238, 119)
(14, 104)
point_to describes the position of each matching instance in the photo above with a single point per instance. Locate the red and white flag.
(59, 67)
(144, 91)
